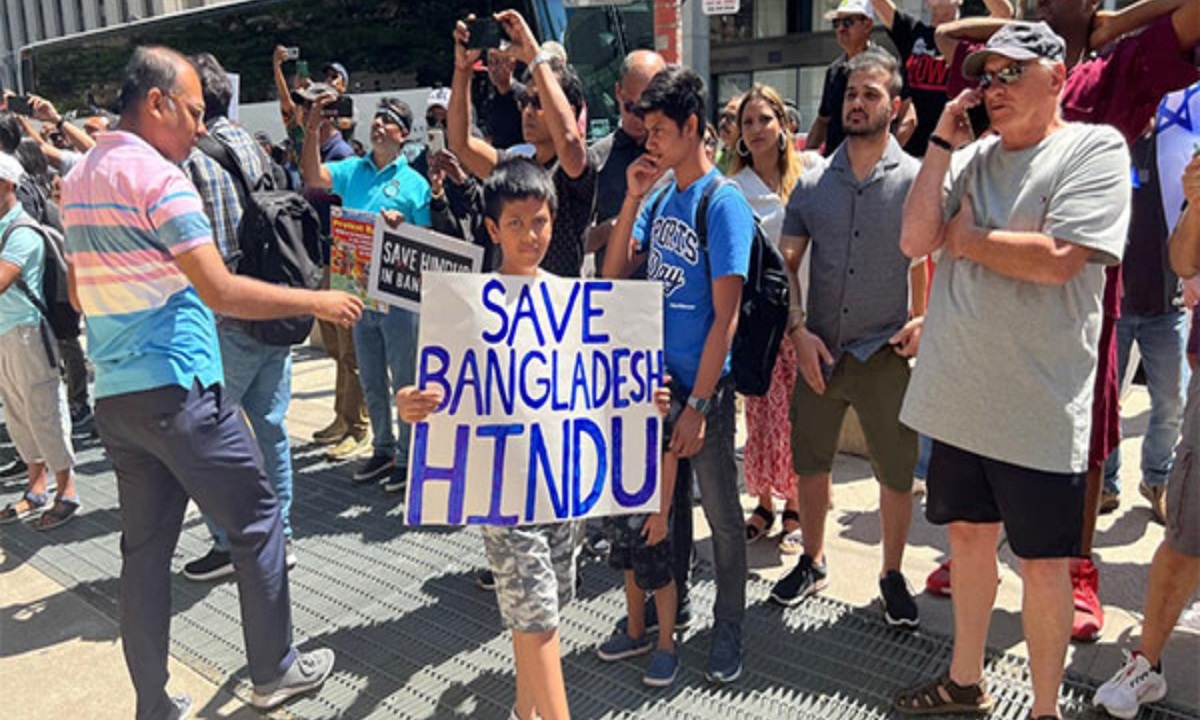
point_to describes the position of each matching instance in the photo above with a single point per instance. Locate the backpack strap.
(28, 292)
(701, 220)
(223, 155)
(49, 343)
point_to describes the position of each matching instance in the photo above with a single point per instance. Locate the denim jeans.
(259, 378)
(1162, 340)
(715, 468)
(386, 344)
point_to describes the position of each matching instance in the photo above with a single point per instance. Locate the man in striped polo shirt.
(148, 277)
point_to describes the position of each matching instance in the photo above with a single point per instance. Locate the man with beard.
(853, 346)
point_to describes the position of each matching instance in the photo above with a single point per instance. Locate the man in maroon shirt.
(1117, 79)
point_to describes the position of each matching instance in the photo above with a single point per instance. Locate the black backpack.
(763, 315)
(278, 239)
(51, 300)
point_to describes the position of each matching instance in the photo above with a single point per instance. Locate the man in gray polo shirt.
(1024, 222)
(854, 348)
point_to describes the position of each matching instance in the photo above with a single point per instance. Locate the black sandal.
(62, 511)
(943, 696)
(755, 533)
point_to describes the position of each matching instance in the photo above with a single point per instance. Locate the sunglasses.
(728, 117)
(630, 107)
(846, 22)
(1007, 75)
(529, 100)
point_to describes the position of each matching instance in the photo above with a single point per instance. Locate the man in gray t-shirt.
(1023, 223)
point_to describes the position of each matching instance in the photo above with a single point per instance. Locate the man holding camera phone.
(550, 102)
(1025, 221)
(385, 343)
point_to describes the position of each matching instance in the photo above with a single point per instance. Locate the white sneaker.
(308, 671)
(1134, 684)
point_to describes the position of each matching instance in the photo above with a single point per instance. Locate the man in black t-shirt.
(925, 70)
(852, 22)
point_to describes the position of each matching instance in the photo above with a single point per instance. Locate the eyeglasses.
(630, 107)
(728, 117)
(529, 100)
(196, 111)
(845, 22)
(1008, 75)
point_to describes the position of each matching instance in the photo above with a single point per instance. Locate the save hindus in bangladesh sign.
(548, 400)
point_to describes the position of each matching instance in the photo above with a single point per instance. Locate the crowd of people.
(990, 383)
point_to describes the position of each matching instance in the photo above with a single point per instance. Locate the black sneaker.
(374, 468)
(807, 578)
(485, 580)
(396, 480)
(683, 617)
(898, 607)
(16, 468)
(216, 564)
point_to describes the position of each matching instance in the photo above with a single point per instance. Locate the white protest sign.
(548, 412)
(1178, 127)
(400, 256)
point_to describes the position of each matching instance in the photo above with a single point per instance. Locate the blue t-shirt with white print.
(677, 261)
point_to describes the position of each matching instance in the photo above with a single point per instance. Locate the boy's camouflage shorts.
(651, 564)
(534, 567)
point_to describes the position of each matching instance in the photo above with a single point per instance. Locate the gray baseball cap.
(1017, 40)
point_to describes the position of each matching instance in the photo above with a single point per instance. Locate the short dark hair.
(517, 179)
(873, 59)
(152, 66)
(10, 132)
(214, 83)
(569, 81)
(678, 93)
(29, 154)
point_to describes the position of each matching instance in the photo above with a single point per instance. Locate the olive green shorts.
(875, 389)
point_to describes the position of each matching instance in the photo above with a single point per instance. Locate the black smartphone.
(485, 33)
(343, 107)
(20, 104)
(980, 122)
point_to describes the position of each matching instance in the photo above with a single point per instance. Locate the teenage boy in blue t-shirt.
(701, 294)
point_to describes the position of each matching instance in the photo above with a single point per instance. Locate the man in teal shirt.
(385, 343)
(35, 399)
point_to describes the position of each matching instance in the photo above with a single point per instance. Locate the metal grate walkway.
(416, 639)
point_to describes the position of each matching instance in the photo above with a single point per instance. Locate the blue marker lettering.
(501, 433)
(539, 457)
(526, 377)
(559, 329)
(468, 375)
(422, 473)
(619, 400)
(590, 312)
(490, 288)
(437, 377)
(525, 310)
(581, 427)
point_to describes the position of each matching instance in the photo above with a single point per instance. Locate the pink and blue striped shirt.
(129, 213)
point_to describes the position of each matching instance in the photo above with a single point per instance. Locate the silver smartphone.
(436, 140)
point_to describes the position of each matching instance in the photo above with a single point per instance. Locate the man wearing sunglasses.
(550, 104)
(852, 22)
(1117, 72)
(1025, 222)
(385, 343)
(613, 153)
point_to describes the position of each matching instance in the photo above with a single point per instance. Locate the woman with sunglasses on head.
(765, 167)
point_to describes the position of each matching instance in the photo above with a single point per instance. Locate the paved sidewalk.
(416, 639)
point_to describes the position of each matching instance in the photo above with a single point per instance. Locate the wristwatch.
(541, 57)
(700, 405)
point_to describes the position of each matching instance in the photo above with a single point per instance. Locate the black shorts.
(651, 564)
(1042, 512)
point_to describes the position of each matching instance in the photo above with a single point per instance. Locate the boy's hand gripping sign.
(548, 410)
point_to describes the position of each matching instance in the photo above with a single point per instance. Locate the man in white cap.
(852, 23)
(1024, 222)
(35, 399)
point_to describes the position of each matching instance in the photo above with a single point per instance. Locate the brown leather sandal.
(943, 696)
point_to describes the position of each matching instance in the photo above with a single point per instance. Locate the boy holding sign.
(533, 565)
